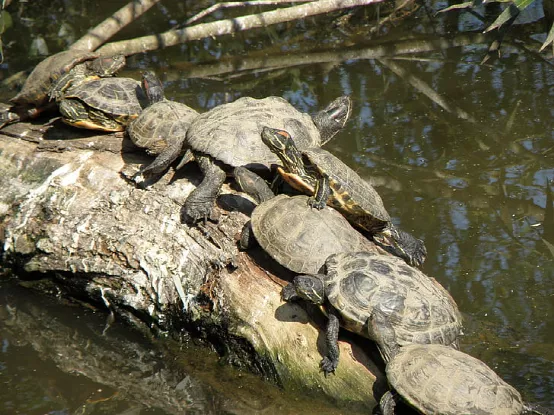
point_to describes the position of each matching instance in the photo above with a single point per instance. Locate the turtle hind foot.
(328, 365)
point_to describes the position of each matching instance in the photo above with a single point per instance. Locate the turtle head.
(152, 87)
(105, 66)
(402, 244)
(306, 287)
(282, 145)
(333, 118)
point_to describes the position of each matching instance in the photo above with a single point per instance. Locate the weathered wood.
(68, 213)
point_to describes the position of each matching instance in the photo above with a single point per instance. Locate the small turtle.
(293, 234)
(161, 127)
(330, 181)
(54, 75)
(356, 286)
(436, 379)
(107, 104)
(229, 135)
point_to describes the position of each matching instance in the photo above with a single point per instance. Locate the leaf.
(549, 38)
(465, 5)
(508, 15)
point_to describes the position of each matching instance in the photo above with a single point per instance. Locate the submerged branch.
(228, 26)
(113, 24)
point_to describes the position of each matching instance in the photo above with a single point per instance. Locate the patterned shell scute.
(160, 122)
(347, 186)
(232, 132)
(40, 80)
(418, 307)
(117, 96)
(440, 380)
(301, 238)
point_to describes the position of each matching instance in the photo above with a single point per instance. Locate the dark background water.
(460, 152)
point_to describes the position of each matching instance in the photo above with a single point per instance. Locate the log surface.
(68, 214)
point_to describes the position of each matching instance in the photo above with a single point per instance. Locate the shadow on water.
(460, 152)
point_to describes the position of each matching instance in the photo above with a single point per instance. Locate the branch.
(218, 6)
(109, 27)
(228, 26)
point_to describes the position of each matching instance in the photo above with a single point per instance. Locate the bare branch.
(109, 27)
(218, 6)
(228, 26)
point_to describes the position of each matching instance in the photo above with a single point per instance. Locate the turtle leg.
(388, 403)
(163, 160)
(330, 362)
(333, 118)
(402, 244)
(321, 193)
(247, 239)
(201, 200)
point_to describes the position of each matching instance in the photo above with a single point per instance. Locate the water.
(460, 153)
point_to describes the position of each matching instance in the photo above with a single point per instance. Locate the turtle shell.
(350, 194)
(160, 122)
(38, 84)
(419, 309)
(440, 380)
(231, 132)
(120, 98)
(301, 238)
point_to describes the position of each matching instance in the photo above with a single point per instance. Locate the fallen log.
(69, 215)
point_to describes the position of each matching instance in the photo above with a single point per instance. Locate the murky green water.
(460, 152)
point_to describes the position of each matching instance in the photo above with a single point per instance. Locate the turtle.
(106, 104)
(58, 71)
(161, 127)
(229, 136)
(436, 379)
(293, 234)
(329, 181)
(355, 287)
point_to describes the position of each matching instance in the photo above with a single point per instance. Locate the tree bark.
(69, 215)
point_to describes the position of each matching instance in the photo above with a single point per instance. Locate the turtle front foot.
(198, 208)
(316, 203)
(328, 365)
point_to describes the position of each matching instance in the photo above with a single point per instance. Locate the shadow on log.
(67, 214)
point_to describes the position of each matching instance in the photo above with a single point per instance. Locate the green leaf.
(508, 15)
(549, 38)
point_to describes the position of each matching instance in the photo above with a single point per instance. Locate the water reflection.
(474, 187)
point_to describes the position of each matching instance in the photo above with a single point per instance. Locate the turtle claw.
(315, 203)
(328, 365)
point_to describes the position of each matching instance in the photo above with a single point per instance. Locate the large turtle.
(107, 104)
(161, 127)
(296, 236)
(436, 379)
(357, 286)
(229, 135)
(56, 73)
(330, 181)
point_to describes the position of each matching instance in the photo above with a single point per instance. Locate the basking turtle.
(229, 135)
(161, 128)
(107, 104)
(330, 181)
(357, 286)
(293, 234)
(58, 71)
(436, 379)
